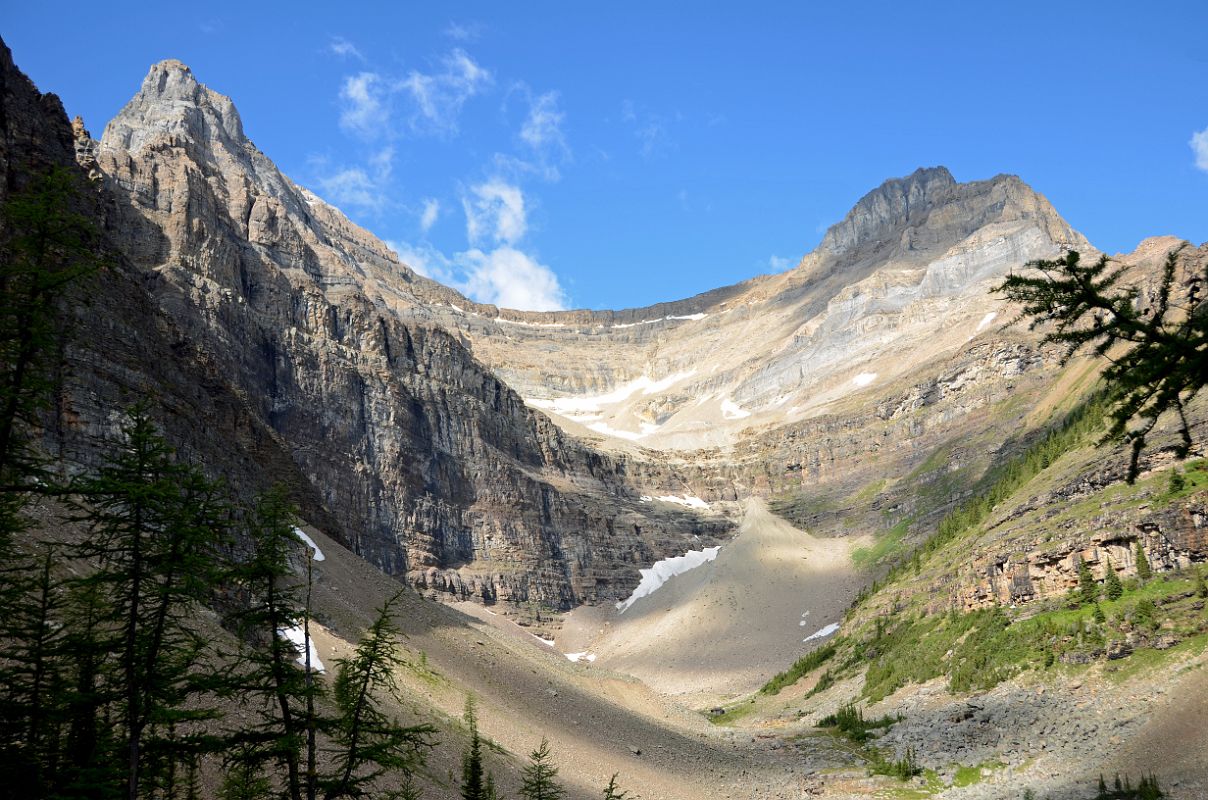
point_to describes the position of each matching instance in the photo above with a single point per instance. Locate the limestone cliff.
(436, 437)
(267, 361)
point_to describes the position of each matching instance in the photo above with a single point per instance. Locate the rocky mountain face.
(437, 438)
(267, 361)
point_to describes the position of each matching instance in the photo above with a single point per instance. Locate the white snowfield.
(309, 542)
(577, 657)
(297, 637)
(864, 378)
(688, 500)
(822, 633)
(986, 320)
(692, 317)
(593, 403)
(732, 410)
(662, 571)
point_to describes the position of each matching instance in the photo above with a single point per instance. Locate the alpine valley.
(672, 539)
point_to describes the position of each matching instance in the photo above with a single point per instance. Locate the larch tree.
(1155, 342)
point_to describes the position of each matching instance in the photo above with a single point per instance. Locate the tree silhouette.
(1156, 345)
(539, 776)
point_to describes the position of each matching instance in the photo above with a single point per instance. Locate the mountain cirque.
(532, 463)
(439, 439)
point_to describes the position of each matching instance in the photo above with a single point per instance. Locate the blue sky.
(621, 154)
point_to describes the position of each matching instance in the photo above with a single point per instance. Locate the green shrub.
(903, 769)
(850, 722)
(802, 666)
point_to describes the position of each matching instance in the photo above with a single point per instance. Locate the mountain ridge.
(333, 319)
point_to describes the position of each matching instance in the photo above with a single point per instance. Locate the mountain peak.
(888, 206)
(170, 79)
(902, 213)
(172, 104)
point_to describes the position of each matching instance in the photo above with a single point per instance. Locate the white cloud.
(429, 215)
(649, 129)
(508, 278)
(439, 97)
(350, 187)
(504, 276)
(542, 129)
(358, 187)
(463, 32)
(342, 47)
(1199, 146)
(779, 264)
(495, 212)
(365, 112)
(427, 261)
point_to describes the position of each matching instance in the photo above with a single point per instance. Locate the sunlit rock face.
(412, 452)
(511, 455)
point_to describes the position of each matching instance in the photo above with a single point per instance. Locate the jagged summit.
(172, 103)
(886, 207)
(929, 209)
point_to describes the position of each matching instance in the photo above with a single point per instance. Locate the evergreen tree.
(245, 778)
(46, 245)
(539, 776)
(91, 766)
(1088, 590)
(368, 744)
(1158, 345)
(267, 674)
(154, 526)
(472, 786)
(32, 714)
(1113, 589)
(1201, 586)
(614, 792)
(1143, 570)
(488, 787)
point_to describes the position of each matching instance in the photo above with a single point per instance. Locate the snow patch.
(530, 324)
(309, 542)
(732, 410)
(591, 404)
(549, 642)
(297, 637)
(577, 657)
(864, 378)
(608, 430)
(688, 500)
(692, 317)
(822, 633)
(986, 320)
(662, 571)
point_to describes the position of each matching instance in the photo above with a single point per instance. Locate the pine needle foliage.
(539, 775)
(614, 792)
(155, 522)
(368, 743)
(1156, 343)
